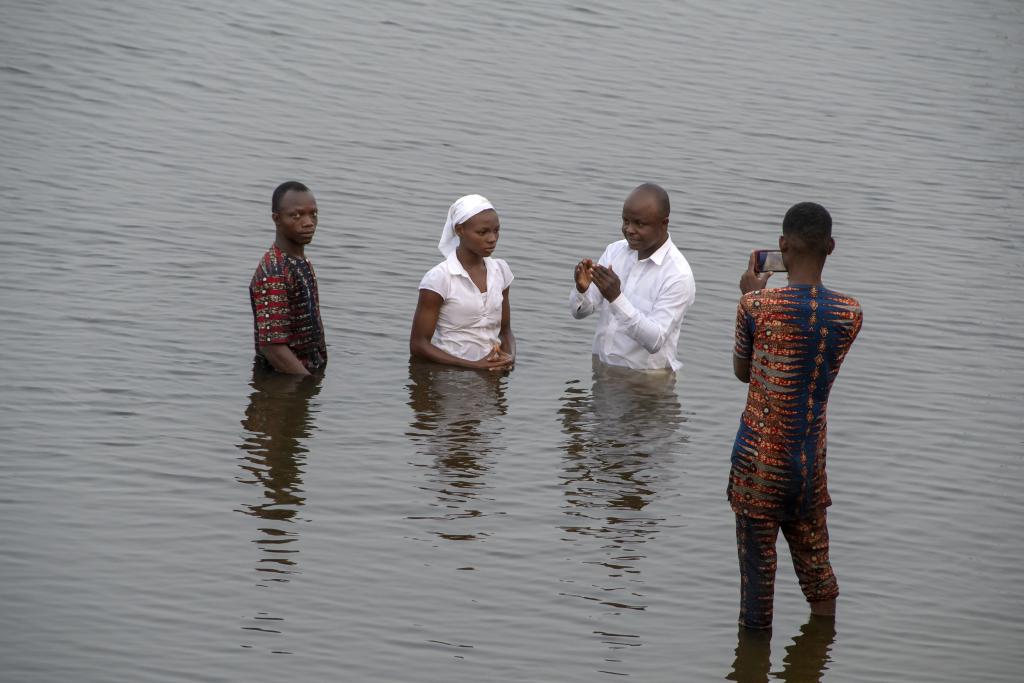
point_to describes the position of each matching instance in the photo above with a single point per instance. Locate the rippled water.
(167, 515)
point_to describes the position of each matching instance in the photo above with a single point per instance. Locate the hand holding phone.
(752, 278)
(769, 261)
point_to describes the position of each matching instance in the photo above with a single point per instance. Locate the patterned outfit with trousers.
(795, 339)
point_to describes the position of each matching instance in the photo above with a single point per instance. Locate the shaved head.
(659, 194)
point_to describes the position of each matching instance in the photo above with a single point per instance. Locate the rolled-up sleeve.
(651, 330)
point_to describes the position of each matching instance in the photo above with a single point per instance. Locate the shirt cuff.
(577, 298)
(623, 308)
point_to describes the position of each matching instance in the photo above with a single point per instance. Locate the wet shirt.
(470, 320)
(795, 338)
(286, 307)
(640, 329)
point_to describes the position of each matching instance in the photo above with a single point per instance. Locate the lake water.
(167, 516)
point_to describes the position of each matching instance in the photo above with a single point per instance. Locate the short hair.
(810, 224)
(281, 190)
(659, 194)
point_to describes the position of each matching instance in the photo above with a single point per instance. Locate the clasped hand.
(496, 360)
(604, 277)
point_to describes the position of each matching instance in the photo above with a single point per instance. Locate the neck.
(291, 248)
(806, 273)
(467, 258)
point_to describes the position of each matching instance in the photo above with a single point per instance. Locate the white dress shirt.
(640, 329)
(470, 320)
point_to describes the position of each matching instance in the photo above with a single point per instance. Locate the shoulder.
(502, 267)
(676, 271)
(678, 263)
(751, 302)
(746, 300)
(844, 301)
(271, 265)
(616, 248)
(846, 310)
(437, 278)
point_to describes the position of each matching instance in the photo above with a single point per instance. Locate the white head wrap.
(461, 211)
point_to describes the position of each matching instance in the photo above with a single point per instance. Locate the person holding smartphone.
(789, 344)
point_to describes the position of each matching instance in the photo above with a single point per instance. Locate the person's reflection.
(454, 425)
(753, 660)
(278, 420)
(806, 660)
(621, 434)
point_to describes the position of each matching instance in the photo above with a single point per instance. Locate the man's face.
(296, 217)
(643, 226)
(479, 234)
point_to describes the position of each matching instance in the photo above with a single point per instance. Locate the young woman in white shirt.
(463, 316)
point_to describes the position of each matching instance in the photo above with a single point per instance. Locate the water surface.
(170, 516)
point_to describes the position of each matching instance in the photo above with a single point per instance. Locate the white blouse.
(470, 320)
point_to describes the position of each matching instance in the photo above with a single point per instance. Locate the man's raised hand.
(583, 273)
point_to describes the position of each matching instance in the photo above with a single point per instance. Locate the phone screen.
(769, 261)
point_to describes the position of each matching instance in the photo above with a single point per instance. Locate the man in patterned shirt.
(288, 332)
(790, 343)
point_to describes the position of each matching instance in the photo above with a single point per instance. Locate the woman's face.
(479, 234)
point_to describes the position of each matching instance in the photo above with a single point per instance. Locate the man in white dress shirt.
(642, 286)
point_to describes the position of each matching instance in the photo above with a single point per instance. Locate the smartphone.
(768, 261)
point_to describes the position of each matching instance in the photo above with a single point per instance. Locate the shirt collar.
(282, 255)
(660, 254)
(455, 266)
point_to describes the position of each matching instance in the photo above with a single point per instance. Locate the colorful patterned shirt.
(286, 307)
(796, 338)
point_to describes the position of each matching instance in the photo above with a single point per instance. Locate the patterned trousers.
(755, 543)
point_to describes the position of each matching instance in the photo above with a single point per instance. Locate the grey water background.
(166, 517)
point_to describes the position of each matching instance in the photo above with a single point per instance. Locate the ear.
(783, 243)
(276, 217)
(831, 247)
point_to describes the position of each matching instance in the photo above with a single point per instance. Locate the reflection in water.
(806, 659)
(621, 433)
(278, 420)
(454, 425)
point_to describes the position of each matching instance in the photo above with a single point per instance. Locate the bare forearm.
(422, 348)
(741, 368)
(283, 359)
(508, 342)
